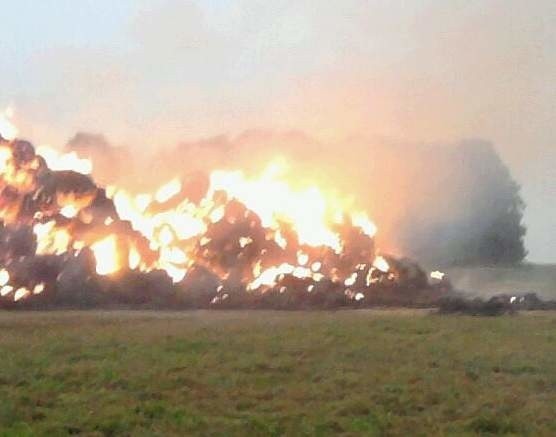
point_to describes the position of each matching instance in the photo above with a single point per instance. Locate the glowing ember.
(381, 264)
(302, 258)
(269, 276)
(20, 293)
(69, 211)
(38, 289)
(4, 277)
(5, 290)
(244, 241)
(351, 280)
(437, 275)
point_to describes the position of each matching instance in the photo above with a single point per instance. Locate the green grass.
(276, 373)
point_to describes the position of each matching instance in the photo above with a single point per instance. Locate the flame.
(106, 256)
(39, 288)
(438, 275)
(4, 277)
(217, 214)
(269, 276)
(245, 241)
(5, 290)
(13, 174)
(274, 200)
(361, 220)
(280, 240)
(350, 280)
(65, 161)
(168, 229)
(265, 225)
(20, 293)
(8, 131)
(51, 239)
(134, 258)
(381, 264)
(69, 211)
(167, 191)
(302, 258)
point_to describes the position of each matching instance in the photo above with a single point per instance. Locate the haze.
(150, 74)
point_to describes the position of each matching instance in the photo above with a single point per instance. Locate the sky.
(149, 73)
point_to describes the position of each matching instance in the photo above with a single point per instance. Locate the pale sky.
(149, 73)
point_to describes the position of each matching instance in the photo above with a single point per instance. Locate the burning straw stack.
(65, 243)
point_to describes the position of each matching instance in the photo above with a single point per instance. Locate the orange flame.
(106, 256)
(7, 129)
(64, 161)
(305, 223)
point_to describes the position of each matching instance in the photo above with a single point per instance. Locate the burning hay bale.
(209, 241)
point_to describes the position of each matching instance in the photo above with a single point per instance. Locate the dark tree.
(496, 209)
(475, 217)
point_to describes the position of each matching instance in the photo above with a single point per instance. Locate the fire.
(438, 275)
(134, 258)
(4, 277)
(64, 161)
(247, 231)
(244, 241)
(166, 192)
(106, 255)
(8, 131)
(361, 220)
(302, 258)
(273, 200)
(381, 264)
(69, 211)
(38, 289)
(269, 276)
(20, 293)
(5, 290)
(350, 280)
(50, 239)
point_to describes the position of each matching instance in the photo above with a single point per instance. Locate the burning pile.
(211, 240)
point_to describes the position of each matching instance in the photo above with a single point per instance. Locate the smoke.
(112, 164)
(450, 204)
(151, 74)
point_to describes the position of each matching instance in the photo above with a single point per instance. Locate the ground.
(362, 372)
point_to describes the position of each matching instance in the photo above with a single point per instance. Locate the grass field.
(273, 373)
